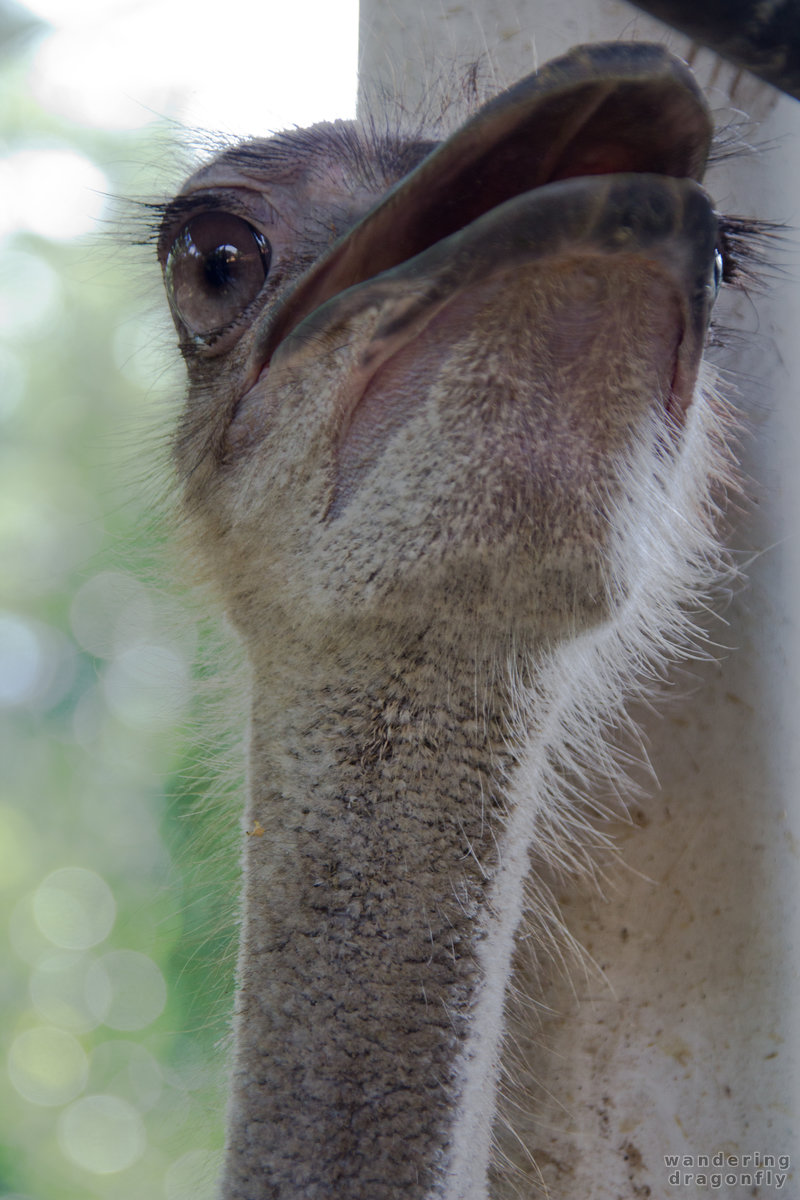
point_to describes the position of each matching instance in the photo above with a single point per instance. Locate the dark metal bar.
(761, 35)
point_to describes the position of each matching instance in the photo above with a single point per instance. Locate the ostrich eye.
(718, 273)
(216, 266)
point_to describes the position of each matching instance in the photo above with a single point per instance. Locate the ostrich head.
(446, 457)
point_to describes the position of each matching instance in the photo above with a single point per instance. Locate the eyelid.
(252, 206)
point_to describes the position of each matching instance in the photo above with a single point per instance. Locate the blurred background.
(115, 892)
(117, 845)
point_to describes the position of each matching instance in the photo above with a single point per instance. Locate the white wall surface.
(685, 1042)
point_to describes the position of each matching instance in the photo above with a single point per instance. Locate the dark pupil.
(219, 267)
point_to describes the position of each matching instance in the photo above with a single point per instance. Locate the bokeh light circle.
(74, 908)
(47, 1066)
(102, 1133)
(126, 990)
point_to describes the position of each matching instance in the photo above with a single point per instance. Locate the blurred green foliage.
(115, 892)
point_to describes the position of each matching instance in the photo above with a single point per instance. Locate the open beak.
(598, 154)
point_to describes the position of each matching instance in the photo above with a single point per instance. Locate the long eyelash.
(151, 215)
(148, 216)
(750, 250)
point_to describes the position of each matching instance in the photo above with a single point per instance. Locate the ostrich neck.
(376, 810)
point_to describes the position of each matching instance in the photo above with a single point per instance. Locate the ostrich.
(452, 460)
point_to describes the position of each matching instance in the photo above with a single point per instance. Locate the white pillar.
(689, 1043)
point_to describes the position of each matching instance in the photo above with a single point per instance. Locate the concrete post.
(684, 1041)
